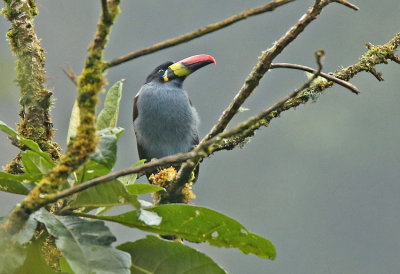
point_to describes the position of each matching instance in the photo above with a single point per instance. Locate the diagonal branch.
(251, 84)
(197, 33)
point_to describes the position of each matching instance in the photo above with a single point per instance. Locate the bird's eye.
(160, 71)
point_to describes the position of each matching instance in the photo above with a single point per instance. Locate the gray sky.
(321, 182)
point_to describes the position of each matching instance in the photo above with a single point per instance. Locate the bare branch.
(322, 74)
(347, 4)
(197, 33)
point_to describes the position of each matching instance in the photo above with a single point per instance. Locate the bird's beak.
(186, 66)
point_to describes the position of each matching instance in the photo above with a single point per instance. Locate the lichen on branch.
(90, 83)
(35, 99)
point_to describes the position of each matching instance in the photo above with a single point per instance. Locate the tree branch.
(376, 55)
(197, 33)
(90, 83)
(311, 70)
(35, 99)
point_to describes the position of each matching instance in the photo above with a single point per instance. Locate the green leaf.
(12, 254)
(86, 245)
(73, 121)
(29, 143)
(26, 233)
(153, 255)
(199, 224)
(138, 189)
(109, 114)
(104, 195)
(12, 183)
(106, 151)
(35, 261)
(6, 129)
(35, 163)
(131, 178)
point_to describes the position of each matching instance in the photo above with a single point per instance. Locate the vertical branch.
(90, 83)
(35, 99)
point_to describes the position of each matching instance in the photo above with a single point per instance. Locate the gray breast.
(167, 123)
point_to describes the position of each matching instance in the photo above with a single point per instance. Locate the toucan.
(164, 120)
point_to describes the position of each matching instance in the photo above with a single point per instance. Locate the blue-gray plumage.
(167, 123)
(164, 120)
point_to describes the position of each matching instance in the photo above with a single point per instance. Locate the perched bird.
(164, 120)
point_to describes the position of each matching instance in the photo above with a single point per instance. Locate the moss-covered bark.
(90, 83)
(35, 99)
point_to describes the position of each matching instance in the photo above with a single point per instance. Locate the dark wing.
(141, 152)
(135, 109)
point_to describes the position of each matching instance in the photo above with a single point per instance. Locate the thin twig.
(395, 58)
(197, 33)
(375, 73)
(322, 74)
(347, 4)
(71, 75)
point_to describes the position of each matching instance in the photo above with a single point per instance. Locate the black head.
(158, 72)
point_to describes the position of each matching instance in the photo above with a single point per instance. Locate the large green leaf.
(131, 178)
(13, 253)
(29, 143)
(35, 160)
(35, 261)
(199, 224)
(86, 245)
(138, 189)
(35, 163)
(12, 183)
(104, 195)
(153, 255)
(109, 114)
(106, 151)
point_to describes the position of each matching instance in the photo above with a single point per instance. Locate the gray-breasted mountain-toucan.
(164, 119)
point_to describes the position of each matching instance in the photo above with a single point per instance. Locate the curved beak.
(187, 66)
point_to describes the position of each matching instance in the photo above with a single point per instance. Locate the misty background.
(322, 182)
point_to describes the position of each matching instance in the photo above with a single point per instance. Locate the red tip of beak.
(198, 58)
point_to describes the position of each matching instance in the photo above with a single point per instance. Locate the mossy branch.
(35, 99)
(90, 83)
